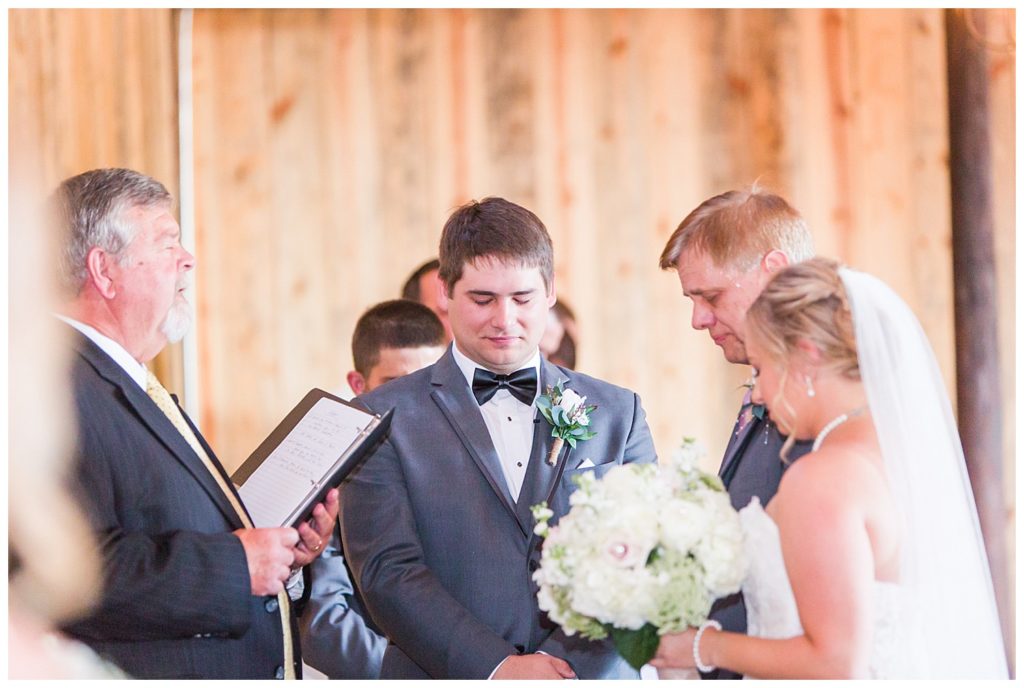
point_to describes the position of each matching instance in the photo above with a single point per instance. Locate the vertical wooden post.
(977, 355)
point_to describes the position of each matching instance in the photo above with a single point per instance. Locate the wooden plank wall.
(332, 144)
(93, 88)
(1002, 101)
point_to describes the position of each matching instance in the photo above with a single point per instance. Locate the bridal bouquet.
(642, 552)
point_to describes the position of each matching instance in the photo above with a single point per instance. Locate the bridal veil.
(952, 618)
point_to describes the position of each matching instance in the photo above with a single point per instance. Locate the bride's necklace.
(835, 423)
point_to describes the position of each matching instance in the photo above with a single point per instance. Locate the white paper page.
(297, 465)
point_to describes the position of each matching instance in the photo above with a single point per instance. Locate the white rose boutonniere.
(569, 416)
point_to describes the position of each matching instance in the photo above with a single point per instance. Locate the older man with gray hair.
(724, 252)
(191, 589)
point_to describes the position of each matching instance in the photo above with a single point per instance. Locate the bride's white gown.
(772, 612)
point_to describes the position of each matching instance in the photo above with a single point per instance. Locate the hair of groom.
(91, 207)
(494, 229)
(397, 324)
(737, 228)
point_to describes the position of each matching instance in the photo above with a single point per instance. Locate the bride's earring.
(810, 387)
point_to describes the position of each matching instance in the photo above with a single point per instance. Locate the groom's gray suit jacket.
(442, 554)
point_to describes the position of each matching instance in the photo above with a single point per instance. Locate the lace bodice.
(772, 611)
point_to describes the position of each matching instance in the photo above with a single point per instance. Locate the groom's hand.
(535, 666)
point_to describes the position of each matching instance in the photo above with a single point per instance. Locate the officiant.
(190, 589)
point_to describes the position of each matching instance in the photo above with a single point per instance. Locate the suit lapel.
(153, 418)
(540, 475)
(454, 397)
(737, 441)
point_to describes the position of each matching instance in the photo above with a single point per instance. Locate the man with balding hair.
(724, 252)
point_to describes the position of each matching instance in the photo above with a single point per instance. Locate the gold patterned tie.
(162, 398)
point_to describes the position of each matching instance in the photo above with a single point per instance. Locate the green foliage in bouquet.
(642, 552)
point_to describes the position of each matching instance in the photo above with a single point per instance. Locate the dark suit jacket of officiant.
(176, 599)
(442, 554)
(751, 467)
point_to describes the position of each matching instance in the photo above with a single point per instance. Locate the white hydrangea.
(645, 545)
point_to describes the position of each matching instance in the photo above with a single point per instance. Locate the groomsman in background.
(190, 589)
(391, 339)
(558, 344)
(424, 286)
(725, 251)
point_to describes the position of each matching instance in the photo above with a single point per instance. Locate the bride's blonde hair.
(805, 301)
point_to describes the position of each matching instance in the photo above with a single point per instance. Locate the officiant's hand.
(269, 552)
(535, 666)
(313, 539)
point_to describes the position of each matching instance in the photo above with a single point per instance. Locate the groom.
(437, 524)
(725, 252)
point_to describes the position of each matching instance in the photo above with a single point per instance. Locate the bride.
(869, 560)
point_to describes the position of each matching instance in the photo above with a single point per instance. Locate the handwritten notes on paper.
(299, 464)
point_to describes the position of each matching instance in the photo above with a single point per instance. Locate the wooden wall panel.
(332, 144)
(1002, 104)
(94, 88)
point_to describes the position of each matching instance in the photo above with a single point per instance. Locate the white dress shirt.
(510, 425)
(509, 422)
(135, 370)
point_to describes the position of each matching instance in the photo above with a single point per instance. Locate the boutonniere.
(569, 416)
(756, 410)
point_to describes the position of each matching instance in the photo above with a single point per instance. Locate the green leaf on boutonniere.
(568, 414)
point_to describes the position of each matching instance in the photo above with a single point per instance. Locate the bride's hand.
(675, 651)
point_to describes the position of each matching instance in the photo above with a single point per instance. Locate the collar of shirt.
(468, 367)
(509, 423)
(135, 370)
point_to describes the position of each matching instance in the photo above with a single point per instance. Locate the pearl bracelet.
(710, 623)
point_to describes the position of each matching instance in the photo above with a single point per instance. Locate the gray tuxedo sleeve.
(639, 445)
(403, 595)
(335, 636)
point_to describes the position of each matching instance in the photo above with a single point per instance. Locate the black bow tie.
(522, 384)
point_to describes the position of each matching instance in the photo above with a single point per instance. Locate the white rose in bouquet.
(642, 552)
(722, 547)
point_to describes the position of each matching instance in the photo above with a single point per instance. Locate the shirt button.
(271, 605)
(279, 672)
(510, 419)
(519, 463)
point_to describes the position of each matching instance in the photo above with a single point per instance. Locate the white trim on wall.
(186, 186)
